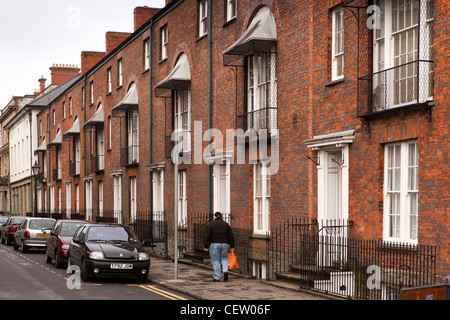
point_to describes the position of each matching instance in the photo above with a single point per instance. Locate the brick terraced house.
(319, 128)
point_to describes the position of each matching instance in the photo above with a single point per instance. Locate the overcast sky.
(35, 34)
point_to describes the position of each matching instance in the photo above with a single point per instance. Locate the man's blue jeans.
(219, 256)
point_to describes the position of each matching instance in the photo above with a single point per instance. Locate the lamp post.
(35, 171)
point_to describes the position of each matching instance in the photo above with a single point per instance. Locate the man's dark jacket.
(218, 231)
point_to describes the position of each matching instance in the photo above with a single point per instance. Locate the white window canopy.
(56, 141)
(41, 148)
(97, 119)
(259, 37)
(74, 130)
(336, 139)
(129, 102)
(179, 78)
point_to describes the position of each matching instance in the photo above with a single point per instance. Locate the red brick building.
(349, 99)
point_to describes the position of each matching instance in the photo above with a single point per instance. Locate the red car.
(59, 240)
(9, 229)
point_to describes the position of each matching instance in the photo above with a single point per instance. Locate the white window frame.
(68, 198)
(262, 72)
(52, 198)
(109, 79)
(88, 204)
(261, 198)
(401, 192)
(401, 88)
(77, 198)
(120, 72)
(158, 191)
(182, 116)
(91, 88)
(117, 185)
(64, 116)
(100, 136)
(164, 42)
(133, 199)
(337, 45)
(133, 136)
(100, 198)
(231, 9)
(203, 17)
(221, 185)
(146, 54)
(182, 198)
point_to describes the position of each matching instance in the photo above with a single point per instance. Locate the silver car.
(33, 232)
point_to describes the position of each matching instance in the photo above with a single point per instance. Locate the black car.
(108, 250)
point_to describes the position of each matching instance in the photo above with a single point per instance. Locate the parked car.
(33, 232)
(108, 250)
(59, 240)
(9, 229)
(2, 222)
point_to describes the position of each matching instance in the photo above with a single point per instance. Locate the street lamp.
(35, 171)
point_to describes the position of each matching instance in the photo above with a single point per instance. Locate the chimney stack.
(142, 15)
(42, 84)
(62, 72)
(90, 59)
(113, 39)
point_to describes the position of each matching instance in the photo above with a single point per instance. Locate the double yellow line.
(163, 293)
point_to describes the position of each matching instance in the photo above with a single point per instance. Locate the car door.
(75, 249)
(19, 232)
(51, 242)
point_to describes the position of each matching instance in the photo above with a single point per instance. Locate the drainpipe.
(210, 100)
(84, 147)
(151, 125)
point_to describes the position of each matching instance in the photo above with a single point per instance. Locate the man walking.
(218, 239)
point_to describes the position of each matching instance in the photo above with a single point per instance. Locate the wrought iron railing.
(265, 118)
(407, 84)
(129, 156)
(74, 168)
(326, 258)
(97, 163)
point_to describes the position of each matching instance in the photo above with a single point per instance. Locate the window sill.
(227, 23)
(162, 60)
(201, 37)
(334, 82)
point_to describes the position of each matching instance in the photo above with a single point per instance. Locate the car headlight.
(96, 255)
(143, 256)
(65, 247)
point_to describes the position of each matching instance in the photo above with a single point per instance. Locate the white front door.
(333, 205)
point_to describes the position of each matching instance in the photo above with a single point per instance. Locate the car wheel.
(3, 241)
(24, 248)
(16, 247)
(84, 274)
(58, 262)
(48, 259)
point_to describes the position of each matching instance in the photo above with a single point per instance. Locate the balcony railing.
(405, 85)
(129, 156)
(265, 118)
(57, 174)
(74, 168)
(97, 163)
(179, 141)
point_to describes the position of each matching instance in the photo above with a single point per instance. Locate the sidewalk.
(195, 280)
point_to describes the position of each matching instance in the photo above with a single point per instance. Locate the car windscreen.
(39, 224)
(69, 228)
(3, 220)
(110, 234)
(17, 220)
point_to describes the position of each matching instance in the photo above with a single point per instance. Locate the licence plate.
(121, 266)
(42, 235)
